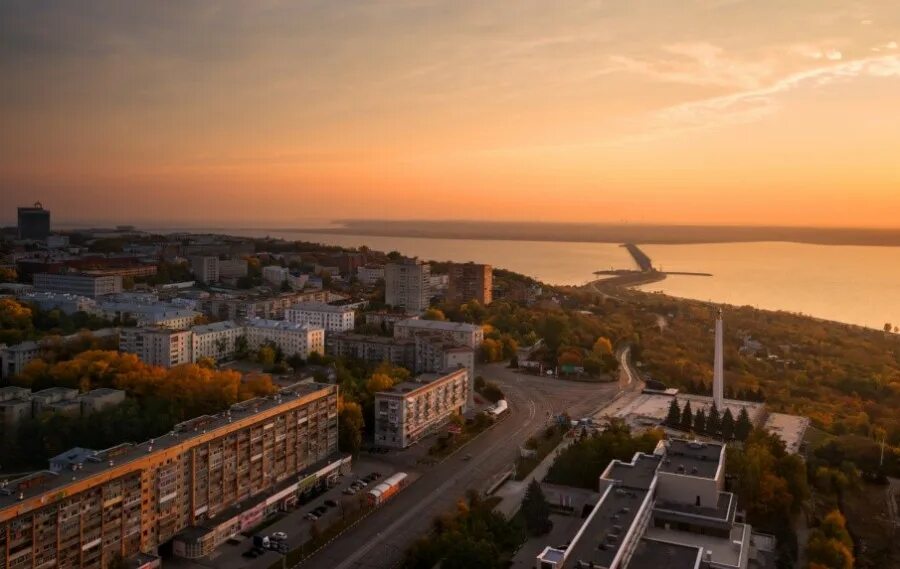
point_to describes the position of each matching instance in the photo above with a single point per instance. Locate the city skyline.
(723, 112)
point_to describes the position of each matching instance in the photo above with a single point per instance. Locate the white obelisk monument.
(719, 367)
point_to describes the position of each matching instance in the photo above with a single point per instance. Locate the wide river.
(859, 285)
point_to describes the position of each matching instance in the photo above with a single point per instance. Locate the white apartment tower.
(407, 285)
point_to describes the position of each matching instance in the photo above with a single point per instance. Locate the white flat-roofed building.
(66, 303)
(275, 275)
(413, 409)
(368, 275)
(291, 338)
(332, 318)
(150, 314)
(217, 340)
(466, 334)
(157, 346)
(80, 284)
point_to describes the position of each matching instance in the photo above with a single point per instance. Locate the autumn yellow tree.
(378, 382)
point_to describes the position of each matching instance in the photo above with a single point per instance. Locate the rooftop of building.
(720, 516)
(280, 325)
(692, 458)
(313, 306)
(639, 473)
(602, 535)
(655, 553)
(421, 381)
(216, 327)
(442, 325)
(102, 392)
(384, 340)
(732, 551)
(45, 482)
(55, 391)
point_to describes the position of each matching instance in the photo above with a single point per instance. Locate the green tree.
(743, 426)
(536, 510)
(727, 425)
(699, 421)
(687, 417)
(673, 418)
(713, 422)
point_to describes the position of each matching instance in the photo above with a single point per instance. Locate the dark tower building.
(34, 222)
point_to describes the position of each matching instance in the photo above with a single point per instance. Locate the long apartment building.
(79, 284)
(466, 334)
(668, 508)
(230, 307)
(18, 403)
(293, 339)
(470, 281)
(164, 347)
(374, 349)
(334, 318)
(205, 481)
(413, 409)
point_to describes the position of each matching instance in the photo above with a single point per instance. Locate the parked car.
(311, 517)
(279, 536)
(350, 491)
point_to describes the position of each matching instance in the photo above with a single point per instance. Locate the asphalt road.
(380, 541)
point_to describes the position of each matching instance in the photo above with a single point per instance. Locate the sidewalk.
(513, 491)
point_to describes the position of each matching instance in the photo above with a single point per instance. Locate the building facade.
(232, 268)
(205, 268)
(79, 284)
(665, 509)
(332, 318)
(293, 339)
(33, 222)
(407, 284)
(158, 346)
(470, 281)
(372, 349)
(368, 275)
(465, 334)
(126, 501)
(217, 340)
(411, 410)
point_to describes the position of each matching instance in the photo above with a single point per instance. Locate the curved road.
(381, 539)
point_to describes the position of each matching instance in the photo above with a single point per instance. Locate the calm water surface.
(859, 285)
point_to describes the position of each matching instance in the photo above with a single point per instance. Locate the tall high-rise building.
(407, 284)
(34, 222)
(471, 281)
(208, 479)
(719, 366)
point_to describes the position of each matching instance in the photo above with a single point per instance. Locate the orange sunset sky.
(681, 111)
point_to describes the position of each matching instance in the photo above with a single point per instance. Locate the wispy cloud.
(698, 63)
(752, 104)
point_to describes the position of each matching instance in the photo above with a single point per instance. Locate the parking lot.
(296, 525)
